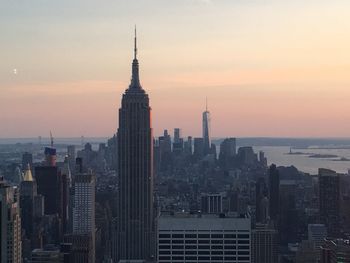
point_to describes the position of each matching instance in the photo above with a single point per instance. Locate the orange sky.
(268, 68)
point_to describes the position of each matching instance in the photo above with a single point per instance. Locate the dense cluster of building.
(168, 199)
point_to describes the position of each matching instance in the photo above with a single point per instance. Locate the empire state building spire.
(135, 79)
(135, 45)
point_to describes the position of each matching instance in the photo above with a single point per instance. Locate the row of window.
(226, 247)
(205, 252)
(194, 241)
(203, 258)
(203, 235)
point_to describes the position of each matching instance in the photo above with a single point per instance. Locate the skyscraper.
(84, 217)
(84, 204)
(28, 191)
(135, 226)
(10, 224)
(329, 195)
(262, 208)
(206, 130)
(274, 184)
(264, 244)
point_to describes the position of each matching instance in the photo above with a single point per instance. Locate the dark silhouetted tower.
(329, 200)
(206, 130)
(274, 184)
(135, 226)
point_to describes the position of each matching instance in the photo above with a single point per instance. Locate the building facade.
(264, 244)
(329, 198)
(10, 225)
(206, 238)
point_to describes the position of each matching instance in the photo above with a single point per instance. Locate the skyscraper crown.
(135, 85)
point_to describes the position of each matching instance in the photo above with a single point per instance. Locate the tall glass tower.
(206, 129)
(136, 224)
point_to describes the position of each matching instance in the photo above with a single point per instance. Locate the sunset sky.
(268, 67)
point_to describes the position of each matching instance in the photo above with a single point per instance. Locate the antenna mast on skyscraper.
(51, 139)
(206, 103)
(135, 44)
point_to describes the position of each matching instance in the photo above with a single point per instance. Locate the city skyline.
(267, 81)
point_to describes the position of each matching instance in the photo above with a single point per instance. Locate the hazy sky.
(268, 67)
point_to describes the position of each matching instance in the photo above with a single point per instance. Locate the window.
(216, 241)
(177, 258)
(203, 247)
(177, 247)
(164, 247)
(190, 247)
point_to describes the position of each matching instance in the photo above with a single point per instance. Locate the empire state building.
(136, 224)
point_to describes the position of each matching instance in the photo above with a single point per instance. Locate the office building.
(84, 216)
(227, 152)
(246, 156)
(329, 200)
(335, 251)
(274, 184)
(178, 144)
(198, 148)
(48, 254)
(264, 244)
(306, 252)
(10, 224)
(317, 234)
(262, 202)
(206, 238)
(28, 191)
(206, 130)
(49, 185)
(177, 135)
